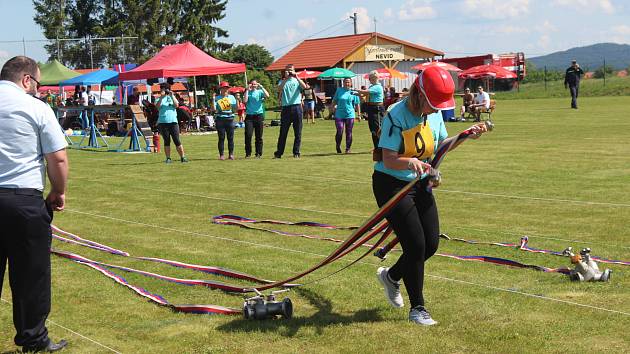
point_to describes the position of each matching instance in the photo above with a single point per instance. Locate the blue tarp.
(99, 77)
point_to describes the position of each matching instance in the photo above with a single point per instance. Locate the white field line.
(364, 216)
(493, 195)
(361, 262)
(74, 332)
(542, 297)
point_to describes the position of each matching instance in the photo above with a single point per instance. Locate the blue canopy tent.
(101, 78)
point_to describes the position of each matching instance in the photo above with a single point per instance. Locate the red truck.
(514, 62)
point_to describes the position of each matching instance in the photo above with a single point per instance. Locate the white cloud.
(604, 5)
(511, 30)
(306, 23)
(544, 41)
(411, 11)
(496, 9)
(547, 27)
(622, 29)
(388, 13)
(364, 22)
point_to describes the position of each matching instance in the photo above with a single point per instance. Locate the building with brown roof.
(360, 53)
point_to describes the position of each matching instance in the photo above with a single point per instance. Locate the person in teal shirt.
(167, 123)
(345, 101)
(374, 106)
(225, 106)
(410, 136)
(290, 95)
(255, 95)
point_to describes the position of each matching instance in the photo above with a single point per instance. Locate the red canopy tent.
(487, 71)
(181, 60)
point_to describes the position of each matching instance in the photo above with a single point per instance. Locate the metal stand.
(93, 135)
(134, 144)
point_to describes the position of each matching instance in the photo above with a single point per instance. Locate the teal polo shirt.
(255, 100)
(291, 92)
(168, 111)
(376, 93)
(345, 103)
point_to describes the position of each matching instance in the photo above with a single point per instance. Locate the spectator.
(255, 117)
(572, 81)
(30, 134)
(374, 106)
(467, 102)
(392, 97)
(240, 108)
(345, 102)
(480, 103)
(309, 103)
(291, 101)
(225, 105)
(167, 123)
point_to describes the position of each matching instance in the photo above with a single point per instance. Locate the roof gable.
(327, 52)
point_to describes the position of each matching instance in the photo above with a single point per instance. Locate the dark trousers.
(375, 116)
(25, 242)
(574, 95)
(225, 127)
(290, 115)
(416, 224)
(254, 123)
(168, 131)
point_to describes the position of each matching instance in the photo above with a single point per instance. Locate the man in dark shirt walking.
(572, 81)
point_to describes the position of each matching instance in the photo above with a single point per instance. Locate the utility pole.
(354, 19)
(375, 33)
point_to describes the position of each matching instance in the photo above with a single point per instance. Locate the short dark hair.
(15, 68)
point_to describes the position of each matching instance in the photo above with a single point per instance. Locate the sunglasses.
(33, 78)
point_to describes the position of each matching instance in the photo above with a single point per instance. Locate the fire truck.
(514, 62)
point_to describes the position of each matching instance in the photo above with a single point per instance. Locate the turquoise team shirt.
(225, 106)
(345, 103)
(404, 119)
(168, 111)
(291, 92)
(376, 93)
(255, 100)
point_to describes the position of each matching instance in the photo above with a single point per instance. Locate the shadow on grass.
(321, 319)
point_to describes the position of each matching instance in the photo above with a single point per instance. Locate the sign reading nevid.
(384, 52)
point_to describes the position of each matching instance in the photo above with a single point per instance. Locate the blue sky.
(457, 27)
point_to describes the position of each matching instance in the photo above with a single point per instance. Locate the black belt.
(21, 191)
(374, 103)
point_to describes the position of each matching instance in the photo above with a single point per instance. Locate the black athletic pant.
(25, 240)
(416, 224)
(375, 116)
(168, 131)
(291, 114)
(574, 95)
(225, 127)
(254, 123)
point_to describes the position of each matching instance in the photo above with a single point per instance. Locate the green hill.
(589, 57)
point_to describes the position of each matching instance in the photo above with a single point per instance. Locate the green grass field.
(614, 86)
(558, 175)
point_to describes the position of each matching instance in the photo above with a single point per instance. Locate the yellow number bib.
(418, 142)
(225, 104)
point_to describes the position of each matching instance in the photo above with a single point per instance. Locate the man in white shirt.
(481, 103)
(29, 134)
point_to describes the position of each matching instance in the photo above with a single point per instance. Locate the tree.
(253, 55)
(606, 70)
(195, 22)
(155, 22)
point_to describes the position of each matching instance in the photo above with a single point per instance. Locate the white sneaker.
(392, 288)
(420, 315)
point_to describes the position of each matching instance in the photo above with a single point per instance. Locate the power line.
(312, 35)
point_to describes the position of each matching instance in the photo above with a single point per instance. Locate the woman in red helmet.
(410, 134)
